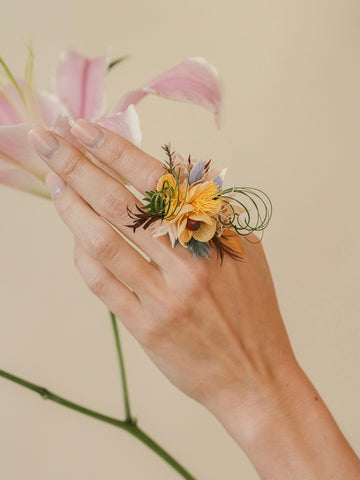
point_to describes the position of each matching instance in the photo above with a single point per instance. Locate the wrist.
(286, 430)
(249, 411)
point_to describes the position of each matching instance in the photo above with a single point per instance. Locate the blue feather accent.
(196, 172)
(199, 249)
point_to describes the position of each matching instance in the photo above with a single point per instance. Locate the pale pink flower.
(80, 93)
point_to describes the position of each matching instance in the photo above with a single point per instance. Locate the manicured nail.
(87, 133)
(55, 184)
(43, 142)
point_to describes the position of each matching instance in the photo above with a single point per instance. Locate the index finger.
(137, 167)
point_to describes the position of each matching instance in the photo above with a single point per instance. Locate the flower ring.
(192, 207)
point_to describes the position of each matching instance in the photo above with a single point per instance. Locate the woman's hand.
(215, 331)
(209, 328)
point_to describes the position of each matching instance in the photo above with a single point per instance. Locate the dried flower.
(190, 204)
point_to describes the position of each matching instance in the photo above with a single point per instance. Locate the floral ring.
(192, 207)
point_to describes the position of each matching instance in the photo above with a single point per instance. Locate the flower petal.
(201, 217)
(50, 107)
(9, 98)
(80, 84)
(126, 124)
(18, 178)
(194, 80)
(15, 147)
(185, 236)
(205, 232)
(159, 229)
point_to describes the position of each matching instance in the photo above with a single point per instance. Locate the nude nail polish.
(44, 143)
(88, 134)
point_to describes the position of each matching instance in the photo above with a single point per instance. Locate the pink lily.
(80, 93)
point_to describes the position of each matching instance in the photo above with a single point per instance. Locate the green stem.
(122, 369)
(129, 427)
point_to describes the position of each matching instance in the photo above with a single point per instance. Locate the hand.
(208, 327)
(215, 331)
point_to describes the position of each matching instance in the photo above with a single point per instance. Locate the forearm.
(288, 433)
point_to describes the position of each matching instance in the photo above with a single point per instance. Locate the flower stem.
(131, 428)
(129, 418)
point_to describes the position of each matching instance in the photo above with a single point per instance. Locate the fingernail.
(88, 134)
(43, 142)
(55, 184)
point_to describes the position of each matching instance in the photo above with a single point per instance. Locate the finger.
(115, 295)
(101, 241)
(108, 197)
(138, 168)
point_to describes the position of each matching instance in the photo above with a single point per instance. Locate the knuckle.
(119, 151)
(71, 165)
(197, 276)
(113, 205)
(149, 337)
(103, 246)
(65, 209)
(96, 284)
(153, 179)
(172, 311)
(123, 151)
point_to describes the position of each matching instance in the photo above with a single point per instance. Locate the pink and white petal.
(9, 97)
(80, 84)
(159, 229)
(194, 81)
(126, 124)
(50, 107)
(17, 178)
(15, 147)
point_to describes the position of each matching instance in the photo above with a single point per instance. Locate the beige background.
(292, 76)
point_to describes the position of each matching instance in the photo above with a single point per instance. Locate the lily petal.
(18, 178)
(8, 115)
(194, 80)
(126, 124)
(50, 108)
(15, 147)
(80, 84)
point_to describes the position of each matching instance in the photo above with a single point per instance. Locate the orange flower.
(191, 208)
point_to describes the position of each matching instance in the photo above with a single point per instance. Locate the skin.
(215, 331)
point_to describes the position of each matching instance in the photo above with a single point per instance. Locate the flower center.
(192, 225)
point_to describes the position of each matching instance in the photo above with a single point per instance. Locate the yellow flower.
(191, 209)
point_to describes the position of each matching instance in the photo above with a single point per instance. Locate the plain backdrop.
(291, 75)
